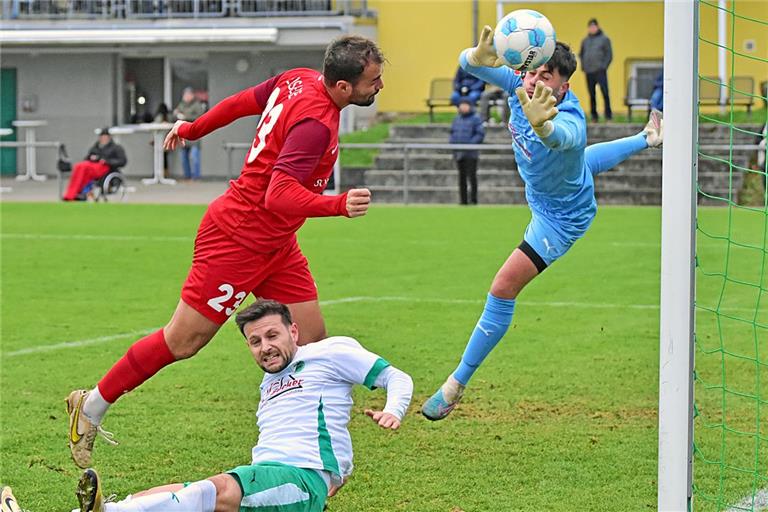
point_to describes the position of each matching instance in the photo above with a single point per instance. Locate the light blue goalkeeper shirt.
(557, 183)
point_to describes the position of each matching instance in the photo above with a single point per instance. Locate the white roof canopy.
(83, 36)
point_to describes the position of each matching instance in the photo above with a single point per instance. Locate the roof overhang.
(138, 36)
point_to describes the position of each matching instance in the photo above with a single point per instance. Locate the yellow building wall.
(752, 62)
(423, 38)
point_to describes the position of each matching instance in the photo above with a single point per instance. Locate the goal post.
(678, 238)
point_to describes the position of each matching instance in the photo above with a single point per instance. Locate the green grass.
(561, 417)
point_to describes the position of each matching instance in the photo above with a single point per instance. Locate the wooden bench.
(740, 87)
(440, 90)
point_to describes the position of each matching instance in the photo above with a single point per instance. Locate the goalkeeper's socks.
(196, 497)
(491, 327)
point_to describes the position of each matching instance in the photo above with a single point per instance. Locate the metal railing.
(407, 148)
(163, 9)
(30, 172)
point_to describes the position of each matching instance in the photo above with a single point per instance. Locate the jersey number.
(267, 122)
(217, 303)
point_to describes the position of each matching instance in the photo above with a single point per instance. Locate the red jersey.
(243, 211)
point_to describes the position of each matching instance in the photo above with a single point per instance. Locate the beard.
(363, 102)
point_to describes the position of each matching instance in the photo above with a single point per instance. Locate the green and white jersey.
(305, 409)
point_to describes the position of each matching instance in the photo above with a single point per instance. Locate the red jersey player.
(246, 242)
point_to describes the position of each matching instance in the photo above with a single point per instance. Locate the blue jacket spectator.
(657, 96)
(467, 128)
(466, 86)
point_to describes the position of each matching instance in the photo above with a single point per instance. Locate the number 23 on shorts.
(218, 303)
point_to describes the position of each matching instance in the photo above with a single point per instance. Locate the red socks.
(145, 358)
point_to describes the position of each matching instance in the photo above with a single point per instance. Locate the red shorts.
(224, 272)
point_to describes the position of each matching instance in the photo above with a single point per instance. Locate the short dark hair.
(347, 56)
(260, 309)
(563, 60)
(593, 21)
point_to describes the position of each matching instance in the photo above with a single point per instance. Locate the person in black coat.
(467, 128)
(596, 55)
(104, 156)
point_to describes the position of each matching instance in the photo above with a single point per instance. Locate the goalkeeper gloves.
(484, 54)
(540, 110)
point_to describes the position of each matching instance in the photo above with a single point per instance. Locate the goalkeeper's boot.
(88, 492)
(8, 503)
(654, 129)
(440, 405)
(82, 432)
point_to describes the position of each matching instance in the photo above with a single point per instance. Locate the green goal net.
(730, 420)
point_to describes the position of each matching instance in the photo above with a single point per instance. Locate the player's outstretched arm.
(604, 156)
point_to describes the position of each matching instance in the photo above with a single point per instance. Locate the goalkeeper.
(549, 138)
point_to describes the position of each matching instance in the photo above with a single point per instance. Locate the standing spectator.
(104, 156)
(189, 109)
(467, 128)
(466, 86)
(596, 55)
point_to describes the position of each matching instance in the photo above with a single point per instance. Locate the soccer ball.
(524, 39)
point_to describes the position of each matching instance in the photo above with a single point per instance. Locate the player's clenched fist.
(172, 140)
(358, 200)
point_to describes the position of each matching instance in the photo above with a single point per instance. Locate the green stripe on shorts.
(276, 487)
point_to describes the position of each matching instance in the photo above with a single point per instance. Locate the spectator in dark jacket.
(596, 55)
(105, 156)
(466, 86)
(467, 128)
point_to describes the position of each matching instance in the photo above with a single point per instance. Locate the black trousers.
(467, 172)
(599, 78)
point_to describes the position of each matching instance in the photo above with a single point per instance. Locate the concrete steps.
(433, 178)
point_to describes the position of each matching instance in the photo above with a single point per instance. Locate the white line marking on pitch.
(345, 300)
(78, 343)
(120, 238)
(760, 502)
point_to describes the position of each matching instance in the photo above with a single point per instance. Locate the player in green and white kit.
(304, 451)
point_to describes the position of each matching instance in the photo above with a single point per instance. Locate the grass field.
(562, 417)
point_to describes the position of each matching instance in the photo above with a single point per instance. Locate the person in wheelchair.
(105, 157)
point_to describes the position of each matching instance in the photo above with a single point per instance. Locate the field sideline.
(562, 417)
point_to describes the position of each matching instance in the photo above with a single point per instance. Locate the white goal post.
(678, 237)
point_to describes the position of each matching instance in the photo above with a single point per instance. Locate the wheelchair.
(111, 185)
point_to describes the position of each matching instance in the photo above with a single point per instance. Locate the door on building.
(142, 89)
(7, 115)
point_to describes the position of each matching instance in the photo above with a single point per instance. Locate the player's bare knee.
(504, 288)
(186, 345)
(228, 493)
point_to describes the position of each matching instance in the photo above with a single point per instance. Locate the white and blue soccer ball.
(524, 39)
